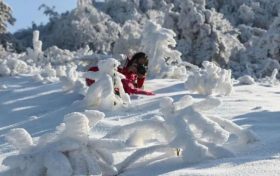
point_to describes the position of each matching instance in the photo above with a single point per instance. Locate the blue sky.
(26, 11)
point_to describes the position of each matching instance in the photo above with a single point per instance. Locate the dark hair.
(141, 69)
(136, 57)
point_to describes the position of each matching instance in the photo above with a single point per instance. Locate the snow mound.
(107, 92)
(68, 151)
(246, 79)
(183, 130)
(211, 80)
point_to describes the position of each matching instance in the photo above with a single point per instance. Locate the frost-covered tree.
(5, 16)
(205, 35)
(129, 41)
(255, 13)
(164, 61)
(85, 25)
(107, 91)
(122, 10)
(262, 54)
(210, 80)
(67, 151)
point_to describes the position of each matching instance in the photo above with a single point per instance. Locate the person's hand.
(149, 93)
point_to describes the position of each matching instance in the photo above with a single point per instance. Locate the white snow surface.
(40, 108)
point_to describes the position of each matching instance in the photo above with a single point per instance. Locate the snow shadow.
(28, 104)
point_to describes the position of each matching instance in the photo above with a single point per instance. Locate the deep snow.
(39, 108)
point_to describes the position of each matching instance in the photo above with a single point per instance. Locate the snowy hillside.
(39, 108)
(142, 87)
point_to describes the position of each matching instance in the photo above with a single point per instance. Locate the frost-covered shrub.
(164, 61)
(11, 64)
(195, 136)
(67, 151)
(103, 93)
(246, 79)
(270, 80)
(210, 80)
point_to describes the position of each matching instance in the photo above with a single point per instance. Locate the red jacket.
(131, 84)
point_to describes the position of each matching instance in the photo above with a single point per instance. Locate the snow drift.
(67, 151)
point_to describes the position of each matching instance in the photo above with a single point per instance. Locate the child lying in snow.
(135, 73)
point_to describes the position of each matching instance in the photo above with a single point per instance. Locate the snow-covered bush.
(71, 78)
(246, 79)
(194, 136)
(11, 64)
(210, 80)
(270, 80)
(107, 92)
(164, 61)
(67, 151)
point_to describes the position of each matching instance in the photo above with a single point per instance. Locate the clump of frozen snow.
(20, 139)
(184, 128)
(210, 80)
(67, 151)
(270, 80)
(35, 54)
(107, 92)
(164, 61)
(10, 64)
(246, 79)
(3, 87)
(70, 78)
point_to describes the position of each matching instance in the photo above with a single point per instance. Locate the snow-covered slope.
(39, 108)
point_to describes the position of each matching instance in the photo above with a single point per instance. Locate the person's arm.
(140, 81)
(131, 89)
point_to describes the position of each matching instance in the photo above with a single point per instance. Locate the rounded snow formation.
(67, 151)
(183, 127)
(102, 94)
(164, 61)
(210, 80)
(246, 80)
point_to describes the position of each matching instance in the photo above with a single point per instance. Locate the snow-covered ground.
(39, 108)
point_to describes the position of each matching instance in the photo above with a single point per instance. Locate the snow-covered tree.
(67, 151)
(210, 80)
(130, 40)
(255, 13)
(262, 54)
(107, 92)
(206, 35)
(122, 10)
(164, 61)
(5, 16)
(85, 25)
